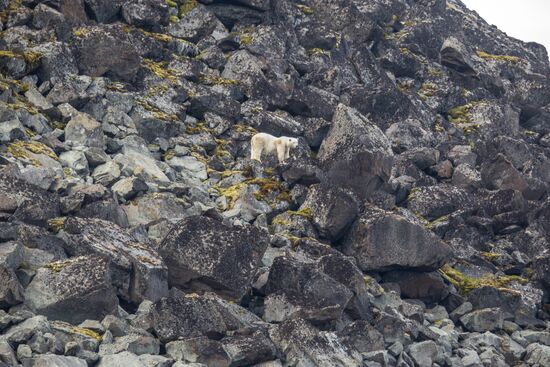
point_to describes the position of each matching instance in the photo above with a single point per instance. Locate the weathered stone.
(83, 130)
(427, 287)
(82, 285)
(146, 13)
(129, 187)
(355, 153)
(11, 291)
(302, 343)
(140, 272)
(51, 360)
(203, 252)
(538, 354)
(190, 315)
(381, 240)
(299, 290)
(487, 319)
(499, 173)
(332, 210)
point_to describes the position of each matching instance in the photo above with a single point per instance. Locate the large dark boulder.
(73, 290)
(26, 202)
(146, 13)
(432, 202)
(297, 289)
(332, 210)
(183, 315)
(140, 271)
(103, 11)
(95, 49)
(355, 154)
(499, 173)
(427, 287)
(11, 291)
(381, 240)
(202, 252)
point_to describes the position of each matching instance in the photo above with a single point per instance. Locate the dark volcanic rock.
(381, 240)
(81, 284)
(204, 253)
(11, 291)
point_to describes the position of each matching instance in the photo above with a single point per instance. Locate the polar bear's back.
(268, 141)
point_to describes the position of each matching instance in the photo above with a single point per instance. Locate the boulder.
(305, 345)
(200, 350)
(381, 240)
(11, 291)
(52, 360)
(538, 355)
(83, 130)
(24, 201)
(205, 253)
(499, 173)
(94, 48)
(423, 353)
(332, 210)
(183, 315)
(455, 55)
(487, 319)
(427, 287)
(103, 11)
(146, 13)
(73, 290)
(140, 271)
(355, 153)
(296, 289)
(433, 202)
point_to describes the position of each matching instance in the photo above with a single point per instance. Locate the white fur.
(263, 142)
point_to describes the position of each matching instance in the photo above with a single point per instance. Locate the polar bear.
(264, 142)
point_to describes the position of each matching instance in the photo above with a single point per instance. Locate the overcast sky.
(527, 20)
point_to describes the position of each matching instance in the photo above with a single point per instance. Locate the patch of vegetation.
(30, 57)
(157, 112)
(81, 32)
(266, 186)
(318, 52)
(187, 6)
(505, 58)
(490, 256)
(161, 70)
(437, 221)
(305, 9)
(21, 149)
(461, 115)
(245, 129)
(466, 284)
(57, 224)
(304, 212)
(71, 329)
(427, 90)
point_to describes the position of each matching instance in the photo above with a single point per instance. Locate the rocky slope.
(411, 227)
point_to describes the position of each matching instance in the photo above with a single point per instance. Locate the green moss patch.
(466, 284)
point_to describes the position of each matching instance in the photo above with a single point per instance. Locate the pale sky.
(527, 20)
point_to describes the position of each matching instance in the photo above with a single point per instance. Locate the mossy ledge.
(466, 284)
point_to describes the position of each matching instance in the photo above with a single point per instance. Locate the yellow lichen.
(31, 57)
(466, 284)
(81, 32)
(506, 58)
(490, 256)
(317, 52)
(157, 112)
(57, 224)
(427, 90)
(304, 212)
(21, 149)
(71, 329)
(161, 70)
(305, 9)
(169, 154)
(187, 6)
(241, 128)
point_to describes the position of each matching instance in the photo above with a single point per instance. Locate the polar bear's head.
(292, 142)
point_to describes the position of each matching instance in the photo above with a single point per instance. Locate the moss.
(169, 154)
(305, 9)
(437, 221)
(409, 23)
(220, 150)
(171, 3)
(157, 112)
(396, 36)
(490, 256)
(57, 224)
(435, 72)
(81, 32)
(294, 240)
(317, 52)
(241, 128)
(71, 329)
(466, 284)
(427, 90)
(161, 70)
(116, 87)
(21, 149)
(174, 19)
(197, 129)
(158, 36)
(304, 212)
(505, 58)
(31, 57)
(187, 6)
(246, 39)
(266, 186)
(279, 220)
(462, 115)
(7, 83)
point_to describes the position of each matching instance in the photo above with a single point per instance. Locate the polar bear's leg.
(256, 148)
(281, 152)
(287, 152)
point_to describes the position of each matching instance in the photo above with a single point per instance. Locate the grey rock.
(378, 237)
(199, 350)
(152, 208)
(360, 160)
(82, 284)
(11, 130)
(133, 343)
(144, 13)
(83, 130)
(487, 319)
(203, 252)
(11, 291)
(299, 290)
(106, 173)
(75, 160)
(499, 173)
(51, 360)
(126, 359)
(129, 187)
(537, 354)
(424, 353)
